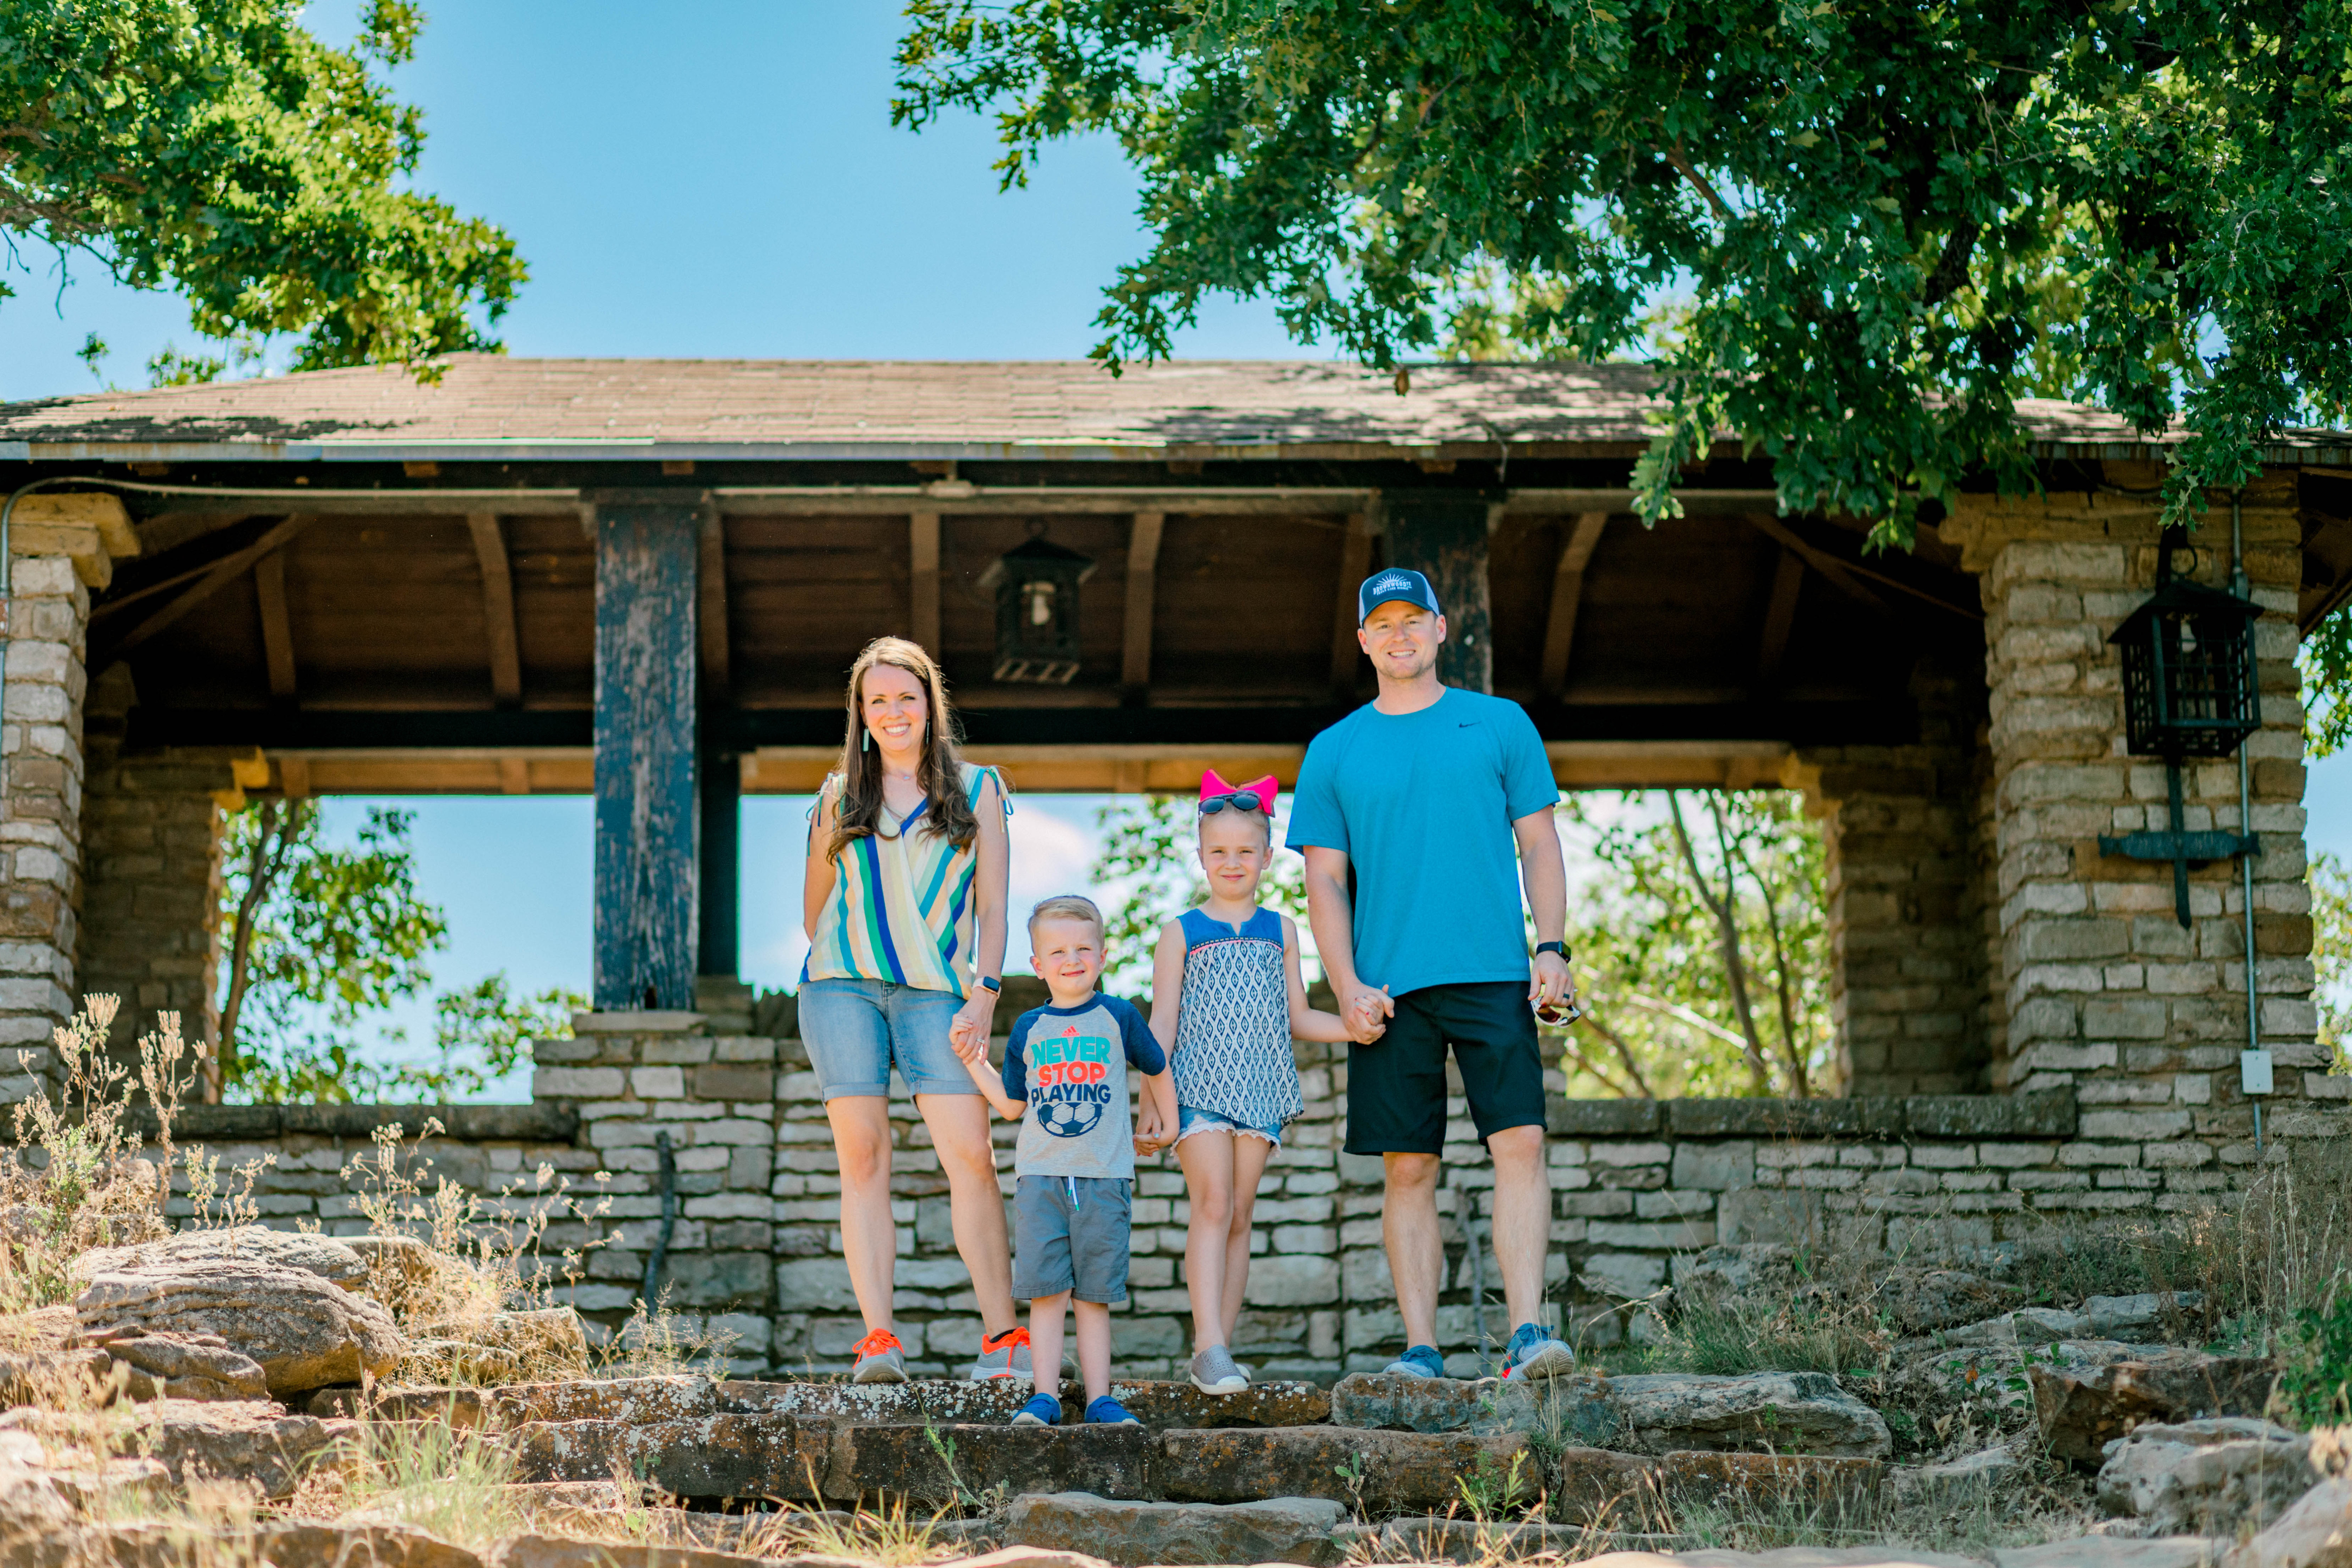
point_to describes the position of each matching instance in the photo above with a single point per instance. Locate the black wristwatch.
(995, 985)
(1558, 947)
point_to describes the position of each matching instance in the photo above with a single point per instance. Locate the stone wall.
(1639, 1187)
(2105, 994)
(1905, 897)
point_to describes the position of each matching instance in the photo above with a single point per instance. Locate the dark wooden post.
(647, 549)
(719, 949)
(1441, 534)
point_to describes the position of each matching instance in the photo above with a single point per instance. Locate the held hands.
(973, 1023)
(1368, 1012)
(1151, 1134)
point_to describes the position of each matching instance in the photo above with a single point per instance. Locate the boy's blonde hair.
(1067, 907)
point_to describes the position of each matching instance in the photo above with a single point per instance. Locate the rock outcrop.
(1276, 1530)
(182, 1366)
(2081, 1411)
(303, 1330)
(334, 1261)
(2205, 1477)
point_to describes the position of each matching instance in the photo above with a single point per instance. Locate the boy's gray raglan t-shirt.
(1070, 1065)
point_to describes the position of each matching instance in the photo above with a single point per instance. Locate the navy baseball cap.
(1394, 583)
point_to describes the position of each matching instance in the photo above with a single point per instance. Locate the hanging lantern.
(1036, 588)
(2190, 688)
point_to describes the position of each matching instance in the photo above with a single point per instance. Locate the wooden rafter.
(1142, 589)
(1780, 620)
(1567, 597)
(214, 580)
(497, 607)
(923, 580)
(1355, 566)
(276, 625)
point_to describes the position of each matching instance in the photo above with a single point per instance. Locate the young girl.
(1227, 1001)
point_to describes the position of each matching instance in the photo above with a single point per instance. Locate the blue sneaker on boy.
(1536, 1352)
(1109, 1412)
(1418, 1361)
(1043, 1410)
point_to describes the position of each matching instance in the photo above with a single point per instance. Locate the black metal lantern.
(1036, 588)
(2191, 688)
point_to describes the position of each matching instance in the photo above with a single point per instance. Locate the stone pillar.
(1441, 534)
(2104, 991)
(1905, 896)
(151, 906)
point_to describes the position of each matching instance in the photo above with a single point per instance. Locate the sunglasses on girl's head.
(1240, 800)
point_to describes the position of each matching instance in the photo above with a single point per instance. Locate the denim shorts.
(1192, 1119)
(857, 1030)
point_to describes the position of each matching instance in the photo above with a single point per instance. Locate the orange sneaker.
(1004, 1356)
(880, 1359)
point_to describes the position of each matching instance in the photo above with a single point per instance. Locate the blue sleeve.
(1143, 1052)
(1016, 1058)
(1527, 784)
(1315, 816)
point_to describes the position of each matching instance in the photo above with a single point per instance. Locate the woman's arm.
(976, 1018)
(1309, 1023)
(816, 880)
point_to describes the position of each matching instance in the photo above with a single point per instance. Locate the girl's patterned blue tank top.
(1233, 1028)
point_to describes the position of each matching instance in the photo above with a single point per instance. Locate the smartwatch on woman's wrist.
(992, 986)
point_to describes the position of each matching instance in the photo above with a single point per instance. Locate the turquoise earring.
(867, 744)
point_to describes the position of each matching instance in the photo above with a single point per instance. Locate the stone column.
(1906, 898)
(60, 547)
(2104, 990)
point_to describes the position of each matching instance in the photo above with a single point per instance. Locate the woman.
(904, 907)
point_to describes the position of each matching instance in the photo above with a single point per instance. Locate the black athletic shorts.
(1396, 1085)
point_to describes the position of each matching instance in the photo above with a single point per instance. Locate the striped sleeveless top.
(1232, 1021)
(901, 908)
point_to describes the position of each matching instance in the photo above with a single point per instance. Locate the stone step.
(1470, 1540)
(1765, 1412)
(787, 1458)
(1131, 1534)
(1159, 1405)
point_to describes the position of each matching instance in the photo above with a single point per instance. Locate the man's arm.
(1545, 875)
(1332, 917)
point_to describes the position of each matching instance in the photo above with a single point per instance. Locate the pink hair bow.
(1266, 789)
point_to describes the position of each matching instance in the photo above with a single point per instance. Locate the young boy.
(1064, 1080)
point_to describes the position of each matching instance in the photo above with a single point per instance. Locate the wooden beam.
(277, 628)
(1820, 561)
(514, 775)
(294, 777)
(1567, 597)
(1441, 534)
(497, 607)
(923, 580)
(648, 883)
(213, 582)
(1142, 586)
(1779, 618)
(1355, 566)
(717, 672)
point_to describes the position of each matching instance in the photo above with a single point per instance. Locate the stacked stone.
(632, 1077)
(1905, 897)
(2104, 993)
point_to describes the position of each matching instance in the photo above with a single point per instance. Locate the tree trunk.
(1727, 924)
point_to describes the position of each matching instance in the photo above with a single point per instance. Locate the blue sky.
(719, 179)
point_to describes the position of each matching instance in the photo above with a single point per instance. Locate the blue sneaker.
(1109, 1412)
(1043, 1410)
(1536, 1352)
(1418, 1361)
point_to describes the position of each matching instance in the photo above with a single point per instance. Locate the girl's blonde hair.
(940, 772)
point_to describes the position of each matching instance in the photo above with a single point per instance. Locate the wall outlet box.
(2254, 1071)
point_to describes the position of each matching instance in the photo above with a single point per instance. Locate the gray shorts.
(1069, 1233)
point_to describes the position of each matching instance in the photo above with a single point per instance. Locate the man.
(1441, 801)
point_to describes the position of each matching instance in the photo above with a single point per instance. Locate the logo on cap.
(1393, 584)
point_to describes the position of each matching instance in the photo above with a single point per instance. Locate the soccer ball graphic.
(1065, 1120)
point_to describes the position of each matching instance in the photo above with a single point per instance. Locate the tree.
(2331, 957)
(1889, 221)
(321, 936)
(217, 148)
(1701, 946)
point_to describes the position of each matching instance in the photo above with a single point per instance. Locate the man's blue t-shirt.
(1422, 805)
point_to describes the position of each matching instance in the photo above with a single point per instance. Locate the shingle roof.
(490, 405)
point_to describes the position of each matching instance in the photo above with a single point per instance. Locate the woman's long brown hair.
(940, 772)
